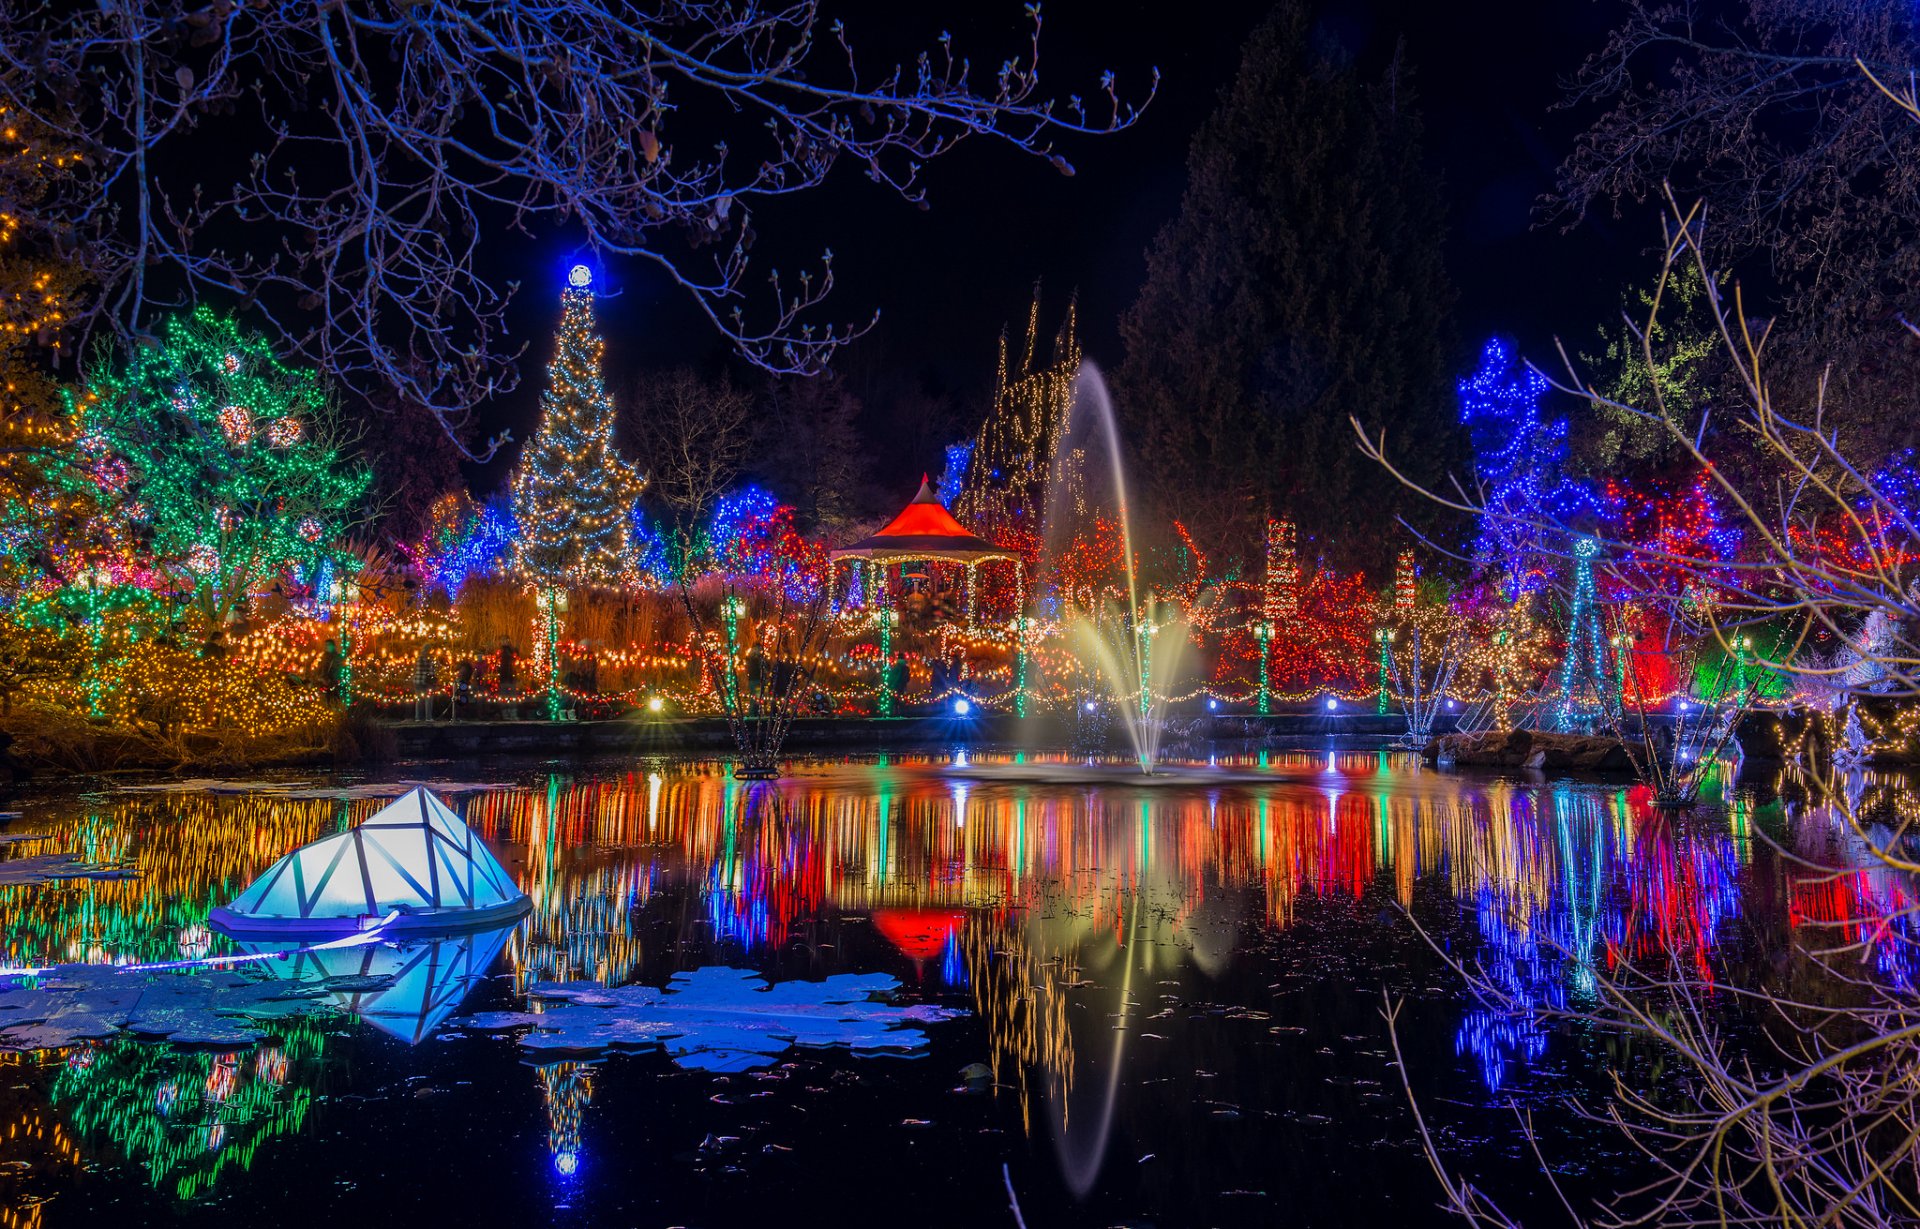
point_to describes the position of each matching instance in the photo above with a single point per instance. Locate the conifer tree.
(572, 493)
(1300, 285)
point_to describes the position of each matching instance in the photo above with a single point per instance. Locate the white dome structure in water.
(415, 859)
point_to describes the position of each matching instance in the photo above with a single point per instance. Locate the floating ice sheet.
(403, 989)
(717, 1019)
(85, 1002)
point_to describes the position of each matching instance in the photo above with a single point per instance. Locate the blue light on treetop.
(580, 277)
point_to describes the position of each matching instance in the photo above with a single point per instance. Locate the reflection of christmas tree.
(572, 493)
(566, 1088)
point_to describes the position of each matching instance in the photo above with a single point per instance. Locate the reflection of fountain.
(1129, 646)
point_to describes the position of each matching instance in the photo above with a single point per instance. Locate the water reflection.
(1058, 909)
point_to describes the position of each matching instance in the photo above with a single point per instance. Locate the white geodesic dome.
(415, 858)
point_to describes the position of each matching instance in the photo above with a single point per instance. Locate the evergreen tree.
(1300, 284)
(215, 464)
(572, 493)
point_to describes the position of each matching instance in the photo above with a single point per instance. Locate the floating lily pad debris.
(307, 789)
(718, 1019)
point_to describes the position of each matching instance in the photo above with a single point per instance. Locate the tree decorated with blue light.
(1518, 457)
(573, 493)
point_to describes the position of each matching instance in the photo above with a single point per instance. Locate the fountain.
(1136, 648)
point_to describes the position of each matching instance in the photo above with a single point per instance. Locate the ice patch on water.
(72, 1003)
(718, 1019)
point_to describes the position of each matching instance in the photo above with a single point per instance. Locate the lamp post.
(1265, 632)
(1620, 641)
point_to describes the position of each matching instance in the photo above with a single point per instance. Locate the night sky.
(947, 279)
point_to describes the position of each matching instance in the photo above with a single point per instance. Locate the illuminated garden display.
(534, 691)
(196, 517)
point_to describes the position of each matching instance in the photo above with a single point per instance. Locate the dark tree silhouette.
(1301, 283)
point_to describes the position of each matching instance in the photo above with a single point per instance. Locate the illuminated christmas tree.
(215, 465)
(572, 493)
(1518, 457)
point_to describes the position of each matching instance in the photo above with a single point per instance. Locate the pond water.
(1118, 1001)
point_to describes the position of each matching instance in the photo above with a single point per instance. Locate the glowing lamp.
(1212, 704)
(1091, 706)
(655, 704)
(962, 707)
(568, 1162)
(579, 277)
(1332, 704)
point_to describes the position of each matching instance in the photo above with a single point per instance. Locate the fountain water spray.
(1137, 649)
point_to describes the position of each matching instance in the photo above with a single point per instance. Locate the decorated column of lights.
(1583, 635)
(1147, 630)
(1504, 649)
(1022, 629)
(552, 600)
(1265, 633)
(1282, 596)
(1384, 636)
(731, 608)
(1404, 587)
(884, 617)
(1022, 626)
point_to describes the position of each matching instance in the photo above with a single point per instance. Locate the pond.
(1118, 1001)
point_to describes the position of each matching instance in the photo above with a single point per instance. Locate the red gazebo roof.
(924, 530)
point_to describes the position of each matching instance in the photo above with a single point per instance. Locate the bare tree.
(337, 167)
(690, 437)
(1758, 108)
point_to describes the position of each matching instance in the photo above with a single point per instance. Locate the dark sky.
(947, 279)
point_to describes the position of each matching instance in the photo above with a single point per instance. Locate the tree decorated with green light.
(215, 464)
(573, 494)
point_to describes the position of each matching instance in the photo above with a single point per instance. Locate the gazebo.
(926, 530)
